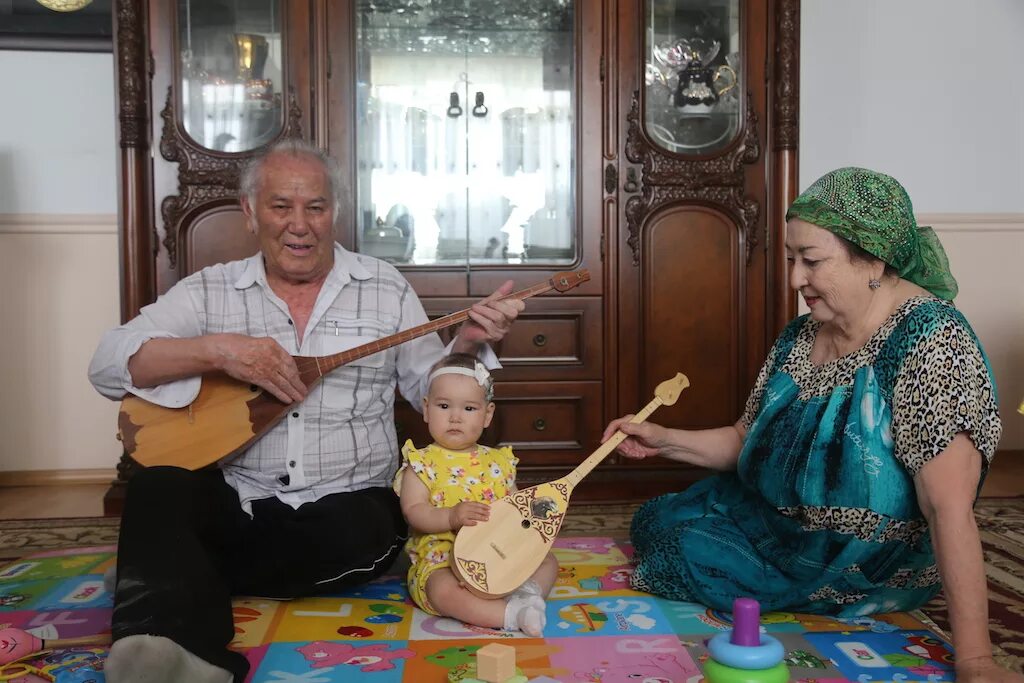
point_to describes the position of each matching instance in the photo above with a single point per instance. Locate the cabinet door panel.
(462, 133)
(698, 280)
(691, 288)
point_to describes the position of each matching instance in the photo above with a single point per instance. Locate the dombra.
(228, 415)
(495, 557)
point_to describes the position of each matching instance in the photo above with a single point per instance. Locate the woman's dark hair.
(858, 253)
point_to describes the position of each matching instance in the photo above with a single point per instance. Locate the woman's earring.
(873, 283)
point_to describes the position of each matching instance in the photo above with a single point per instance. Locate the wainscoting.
(60, 291)
(986, 254)
(59, 278)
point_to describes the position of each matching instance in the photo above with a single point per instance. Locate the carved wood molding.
(787, 75)
(133, 76)
(670, 178)
(204, 175)
(611, 178)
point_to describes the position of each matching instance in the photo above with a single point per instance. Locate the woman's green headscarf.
(873, 211)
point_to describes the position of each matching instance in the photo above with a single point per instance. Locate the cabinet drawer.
(553, 339)
(551, 423)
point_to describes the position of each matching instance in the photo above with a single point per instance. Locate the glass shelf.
(465, 133)
(692, 74)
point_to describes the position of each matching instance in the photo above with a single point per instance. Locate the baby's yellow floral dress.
(484, 475)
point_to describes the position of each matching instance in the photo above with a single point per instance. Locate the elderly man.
(308, 507)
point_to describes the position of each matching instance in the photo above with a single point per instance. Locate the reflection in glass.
(230, 72)
(465, 131)
(692, 74)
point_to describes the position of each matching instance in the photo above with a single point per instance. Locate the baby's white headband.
(479, 373)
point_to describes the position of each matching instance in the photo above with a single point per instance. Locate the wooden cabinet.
(652, 142)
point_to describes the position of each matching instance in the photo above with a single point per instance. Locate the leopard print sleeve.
(944, 386)
(754, 399)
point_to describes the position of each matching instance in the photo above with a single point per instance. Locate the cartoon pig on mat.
(367, 657)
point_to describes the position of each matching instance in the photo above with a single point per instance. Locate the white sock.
(155, 659)
(526, 613)
(529, 587)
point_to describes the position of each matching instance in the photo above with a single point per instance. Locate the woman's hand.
(643, 440)
(468, 513)
(717, 449)
(984, 670)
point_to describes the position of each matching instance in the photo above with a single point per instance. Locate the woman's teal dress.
(821, 514)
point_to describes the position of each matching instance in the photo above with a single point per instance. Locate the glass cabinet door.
(231, 76)
(692, 74)
(465, 134)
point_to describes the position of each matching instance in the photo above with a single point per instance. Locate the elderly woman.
(848, 483)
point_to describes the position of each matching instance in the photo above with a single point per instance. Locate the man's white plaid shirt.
(342, 437)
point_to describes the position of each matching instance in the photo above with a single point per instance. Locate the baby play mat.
(598, 631)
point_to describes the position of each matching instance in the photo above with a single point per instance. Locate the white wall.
(58, 258)
(57, 148)
(930, 91)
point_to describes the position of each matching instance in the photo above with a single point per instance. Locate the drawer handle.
(539, 340)
(539, 424)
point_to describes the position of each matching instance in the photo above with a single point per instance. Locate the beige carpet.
(20, 537)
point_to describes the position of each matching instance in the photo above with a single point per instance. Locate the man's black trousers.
(186, 546)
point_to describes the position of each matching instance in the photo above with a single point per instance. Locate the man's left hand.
(489, 320)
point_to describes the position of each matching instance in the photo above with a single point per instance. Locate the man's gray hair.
(249, 181)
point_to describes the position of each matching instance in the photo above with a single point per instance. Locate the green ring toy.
(720, 673)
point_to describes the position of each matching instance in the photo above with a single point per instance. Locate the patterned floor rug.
(1001, 522)
(598, 630)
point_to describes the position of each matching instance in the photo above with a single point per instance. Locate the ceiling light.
(64, 5)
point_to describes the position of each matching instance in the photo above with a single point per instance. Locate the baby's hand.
(468, 513)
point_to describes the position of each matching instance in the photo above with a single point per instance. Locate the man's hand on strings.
(260, 361)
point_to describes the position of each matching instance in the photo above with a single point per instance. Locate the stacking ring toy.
(763, 656)
(744, 646)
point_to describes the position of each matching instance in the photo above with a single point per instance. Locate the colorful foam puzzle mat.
(598, 630)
